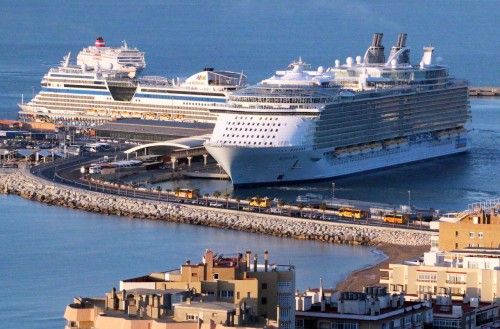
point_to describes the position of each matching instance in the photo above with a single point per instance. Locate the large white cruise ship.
(75, 95)
(366, 114)
(122, 58)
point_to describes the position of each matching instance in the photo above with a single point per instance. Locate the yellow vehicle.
(396, 218)
(260, 202)
(353, 213)
(186, 193)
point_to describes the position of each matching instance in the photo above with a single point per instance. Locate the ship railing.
(487, 205)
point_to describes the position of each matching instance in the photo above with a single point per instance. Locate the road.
(67, 172)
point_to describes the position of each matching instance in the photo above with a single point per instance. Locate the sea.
(49, 255)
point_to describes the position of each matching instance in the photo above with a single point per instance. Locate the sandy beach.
(370, 276)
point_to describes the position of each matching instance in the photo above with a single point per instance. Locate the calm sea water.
(51, 254)
(48, 254)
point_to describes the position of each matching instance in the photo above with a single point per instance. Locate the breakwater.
(28, 186)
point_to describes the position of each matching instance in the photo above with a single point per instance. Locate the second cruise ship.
(366, 114)
(80, 96)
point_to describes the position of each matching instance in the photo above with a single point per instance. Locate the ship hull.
(251, 166)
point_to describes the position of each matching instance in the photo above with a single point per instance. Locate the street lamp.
(409, 199)
(333, 191)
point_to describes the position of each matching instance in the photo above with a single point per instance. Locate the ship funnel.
(399, 52)
(375, 53)
(401, 40)
(427, 57)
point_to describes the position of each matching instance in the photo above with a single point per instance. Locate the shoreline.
(370, 275)
(23, 183)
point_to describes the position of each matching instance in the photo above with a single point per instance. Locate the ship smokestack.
(375, 53)
(255, 263)
(266, 260)
(404, 56)
(401, 40)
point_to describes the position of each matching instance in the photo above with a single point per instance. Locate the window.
(264, 286)
(471, 235)
(191, 317)
(216, 276)
(263, 300)
(480, 235)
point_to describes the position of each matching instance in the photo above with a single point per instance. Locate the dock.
(484, 91)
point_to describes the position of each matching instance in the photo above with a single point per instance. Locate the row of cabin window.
(251, 129)
(249, 136)
(246, 143)
(252, 123)
(260, 118)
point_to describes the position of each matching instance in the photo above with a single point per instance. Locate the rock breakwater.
(31, 187)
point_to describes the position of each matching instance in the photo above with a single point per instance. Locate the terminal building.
(145, 131)
(220, 291)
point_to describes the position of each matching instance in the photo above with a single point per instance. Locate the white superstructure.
(75, 95)
(366, 114)
(122, 58)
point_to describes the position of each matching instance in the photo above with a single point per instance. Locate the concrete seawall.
(31, 187)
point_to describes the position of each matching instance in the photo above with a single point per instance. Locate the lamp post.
(409, 199)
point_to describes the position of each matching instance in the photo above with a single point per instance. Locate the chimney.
(255, 263)
(266, 260)
(247, 259)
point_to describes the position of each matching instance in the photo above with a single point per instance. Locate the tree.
(323, 208)
(168, 193)
(206, 199)
(226, 196)
(238, 200)
(301, 206)
(158, 189)
(216, 195)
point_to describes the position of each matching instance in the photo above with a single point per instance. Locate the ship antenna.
(66, 59)
(241, 78)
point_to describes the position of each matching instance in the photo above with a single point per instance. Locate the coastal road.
(67, 172)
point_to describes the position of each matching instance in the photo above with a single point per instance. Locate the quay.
(25, 184)
(484, 91)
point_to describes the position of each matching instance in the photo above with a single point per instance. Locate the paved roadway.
(67, 172)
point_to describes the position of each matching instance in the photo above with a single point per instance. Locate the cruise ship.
(366, 114)
(76, 95)
(121, 58)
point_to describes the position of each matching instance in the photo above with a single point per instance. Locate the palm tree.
(323, 208)
(206, 199)
(238, 200)
(158, 189)
(216, 195)
(281, 204)
(168, 193)
(226, 196)
(301, 206)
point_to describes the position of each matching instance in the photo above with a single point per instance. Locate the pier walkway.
(484, 91)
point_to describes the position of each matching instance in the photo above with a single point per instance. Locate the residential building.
(225, 290)
(374, 308)
(468, 273)
(468, 314)
(476, 227)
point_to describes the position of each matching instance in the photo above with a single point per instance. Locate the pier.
(484, 91)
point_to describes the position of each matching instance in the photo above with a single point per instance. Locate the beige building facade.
(227, 290)
(462, 274)
(477, 228)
